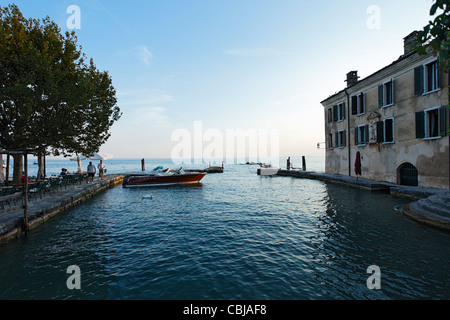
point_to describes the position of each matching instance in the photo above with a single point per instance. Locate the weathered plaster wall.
(381, 161)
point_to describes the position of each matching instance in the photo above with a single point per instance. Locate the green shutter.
(418, 80)
(344, 138)
(380, 95)
(363, 102)
(335, 113)
(438, 71)
(420, 125)
(356, 136)
(392, 92)
(443, 123)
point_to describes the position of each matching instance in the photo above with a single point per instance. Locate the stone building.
(396, 119)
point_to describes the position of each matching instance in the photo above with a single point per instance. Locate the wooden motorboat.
(160, 178)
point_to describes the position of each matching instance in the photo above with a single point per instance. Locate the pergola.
(25, 153)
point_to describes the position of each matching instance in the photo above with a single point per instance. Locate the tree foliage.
(51, 97)
(435, 36)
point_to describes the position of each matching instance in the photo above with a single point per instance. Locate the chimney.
(352, 78)
(410, 42)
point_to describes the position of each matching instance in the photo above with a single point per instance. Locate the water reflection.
(359, 229)
(238, 236)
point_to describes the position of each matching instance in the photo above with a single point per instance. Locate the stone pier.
(52, 203)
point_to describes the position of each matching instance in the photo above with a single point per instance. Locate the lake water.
(236, 236)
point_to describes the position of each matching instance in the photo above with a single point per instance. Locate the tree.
(435, 36)
(51, 100)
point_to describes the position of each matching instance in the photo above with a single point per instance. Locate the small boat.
(267, 170)
(161, 177)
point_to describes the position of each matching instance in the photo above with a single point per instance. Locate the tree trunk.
(18, 168)
(41, 164)
(2, 175)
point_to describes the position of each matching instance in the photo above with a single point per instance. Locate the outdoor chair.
(37, 189)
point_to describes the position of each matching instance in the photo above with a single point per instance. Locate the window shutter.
(354, 105)
(380, 131)
(420, 125)
(343, 111)
(443, 123)
(356, 136)
(438, 72)
(363, 102)
(336, 138)
(335, 113)
(392, 91)
(380, 96)
(366, 134)
(418, 80)
(344, 138)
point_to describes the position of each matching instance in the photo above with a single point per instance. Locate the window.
(330, 141)
(431, 123)
(386, 94)
(431, 77)
(427, 78)
(330, 115)
(385, 131)
(339, 112)
(358, 104)
(361, 135)
(340, 139)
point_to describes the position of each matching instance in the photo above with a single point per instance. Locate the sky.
(258, 65)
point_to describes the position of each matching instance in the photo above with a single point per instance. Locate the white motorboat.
(267, 170)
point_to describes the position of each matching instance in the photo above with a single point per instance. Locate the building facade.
(396, 118)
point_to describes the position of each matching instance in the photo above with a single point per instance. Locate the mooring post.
(303, 163)
(143, 164)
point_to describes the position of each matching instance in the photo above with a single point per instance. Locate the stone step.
(435, 207)
(430, 211)
(439, 201)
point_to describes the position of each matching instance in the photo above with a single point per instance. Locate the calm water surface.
(236, 236)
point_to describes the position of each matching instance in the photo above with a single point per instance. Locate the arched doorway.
(408, 175)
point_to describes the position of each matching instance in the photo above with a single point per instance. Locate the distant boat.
(163, 178)
(267, 170)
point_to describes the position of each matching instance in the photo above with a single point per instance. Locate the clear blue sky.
(232, 64)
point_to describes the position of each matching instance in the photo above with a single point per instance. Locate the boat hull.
(155, 180)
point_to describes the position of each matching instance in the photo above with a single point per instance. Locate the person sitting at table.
(63, 172)
(23, 178)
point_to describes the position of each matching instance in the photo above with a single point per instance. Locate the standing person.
(91, 172)
(101, 169)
